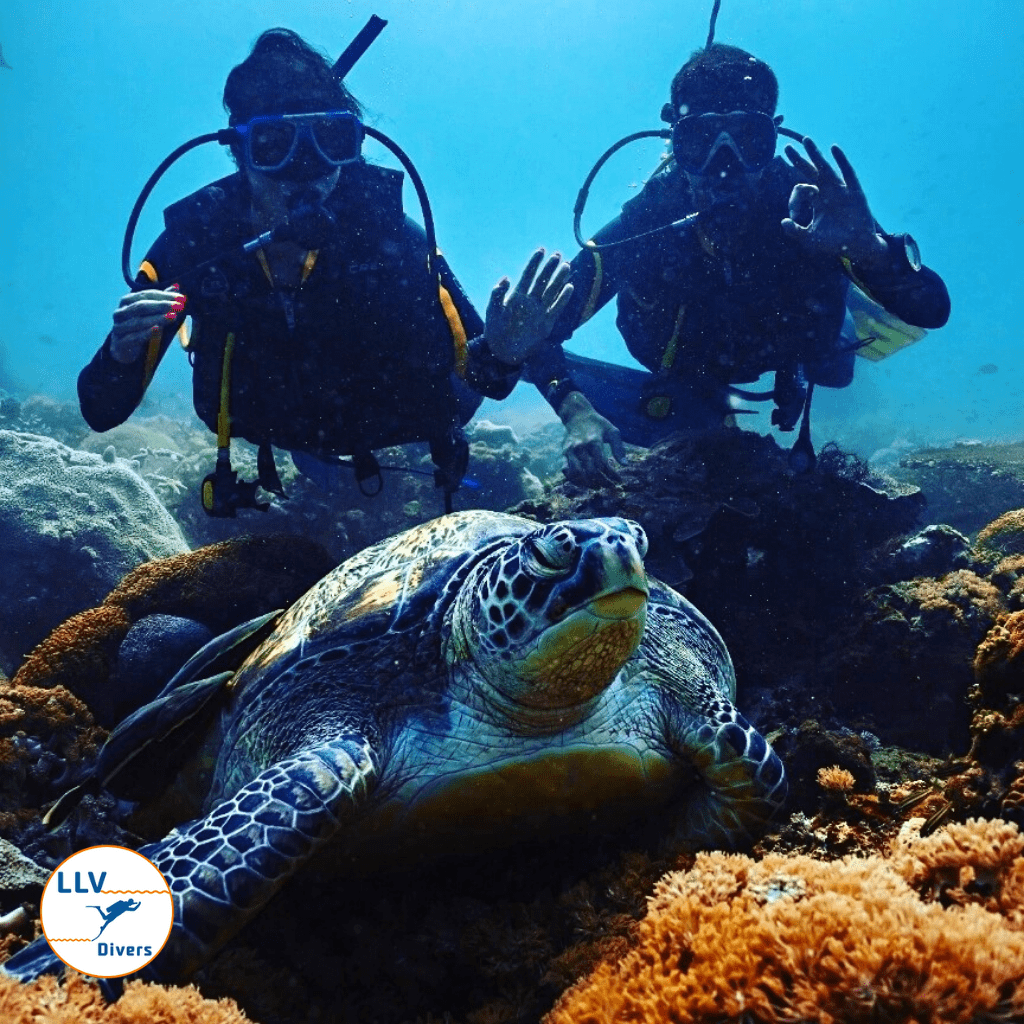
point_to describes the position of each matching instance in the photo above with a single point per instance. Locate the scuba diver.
(114, 911)
(324, 320)
(730, 263)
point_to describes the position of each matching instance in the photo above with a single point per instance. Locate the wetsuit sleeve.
(917, 297)
(596, 276)
(109, 391)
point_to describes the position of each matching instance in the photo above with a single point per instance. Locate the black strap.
(367, 469)
(801, 456)
(268, 477)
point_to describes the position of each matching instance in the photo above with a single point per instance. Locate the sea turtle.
(474, 680)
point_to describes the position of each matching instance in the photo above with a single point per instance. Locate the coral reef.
(217, 587)
(174, 458)
(931, 933)
(909, 647)
(72, 525)
(968, 484)
(80, 1002)
(852, 629)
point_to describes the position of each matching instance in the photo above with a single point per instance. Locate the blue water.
(504, 108)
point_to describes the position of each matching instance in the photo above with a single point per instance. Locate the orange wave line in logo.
(68, 940)
(126, 891)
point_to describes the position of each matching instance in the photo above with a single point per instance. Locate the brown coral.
(220, 585)
(223, 584)
(1002, 538)
(961, 595)
(79, 653)
(790, 938)
(998, 662)
(80, 1002)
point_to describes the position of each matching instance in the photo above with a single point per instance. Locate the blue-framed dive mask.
(698, 138)
(301, 146)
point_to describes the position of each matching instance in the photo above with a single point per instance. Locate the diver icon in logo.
(114, 911)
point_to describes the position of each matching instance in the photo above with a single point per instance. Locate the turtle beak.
(623, 604)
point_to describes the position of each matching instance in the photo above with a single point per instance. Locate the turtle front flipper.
(223, 868)
(741, 783)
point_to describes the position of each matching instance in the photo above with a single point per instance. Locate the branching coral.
(857, 940)
(80, 1002)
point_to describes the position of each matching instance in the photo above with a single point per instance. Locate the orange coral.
(79, 653)
(834, 779)
(998, 665)
(80, 1002)
(1003, 537)
(226, 583)
(791, 938)
(980, 862)
(958, 593)
(35, 710)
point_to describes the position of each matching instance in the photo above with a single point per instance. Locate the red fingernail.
(168, 316)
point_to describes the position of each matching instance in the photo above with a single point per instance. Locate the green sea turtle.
(475, 680)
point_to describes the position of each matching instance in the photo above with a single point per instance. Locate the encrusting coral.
(998, 662)
(1002, 538)
(77, 1001)
(932, 933)
(220, 585)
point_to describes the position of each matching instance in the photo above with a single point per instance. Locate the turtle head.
(550, 618)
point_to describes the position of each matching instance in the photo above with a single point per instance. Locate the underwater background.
(504, 108)
(881, 657)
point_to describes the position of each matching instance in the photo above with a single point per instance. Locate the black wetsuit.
(700, 319)
(370, 350)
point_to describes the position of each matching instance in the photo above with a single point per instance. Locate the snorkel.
(721, 154)
(718, 148)
(308, 221)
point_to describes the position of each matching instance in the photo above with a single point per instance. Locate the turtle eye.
(639, 536)
(552, 553)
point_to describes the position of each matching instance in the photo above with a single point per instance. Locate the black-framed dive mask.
(275, 143)
(698, 138)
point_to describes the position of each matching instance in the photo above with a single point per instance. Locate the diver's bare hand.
(592, 444)
(520, 320)
(829, 212)
(140, 317)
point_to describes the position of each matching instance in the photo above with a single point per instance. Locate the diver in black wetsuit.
(335, 339)
(758, 281)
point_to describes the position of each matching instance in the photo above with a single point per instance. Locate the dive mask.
(273, 142)
(698, 138)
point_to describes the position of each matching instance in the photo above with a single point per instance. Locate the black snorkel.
(802, 457)
(308, 222)
(654, 133)
(307, 219)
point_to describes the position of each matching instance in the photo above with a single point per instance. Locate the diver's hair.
(283, 75)
(723, 78)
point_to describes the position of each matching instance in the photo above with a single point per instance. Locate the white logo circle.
(106, 911)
